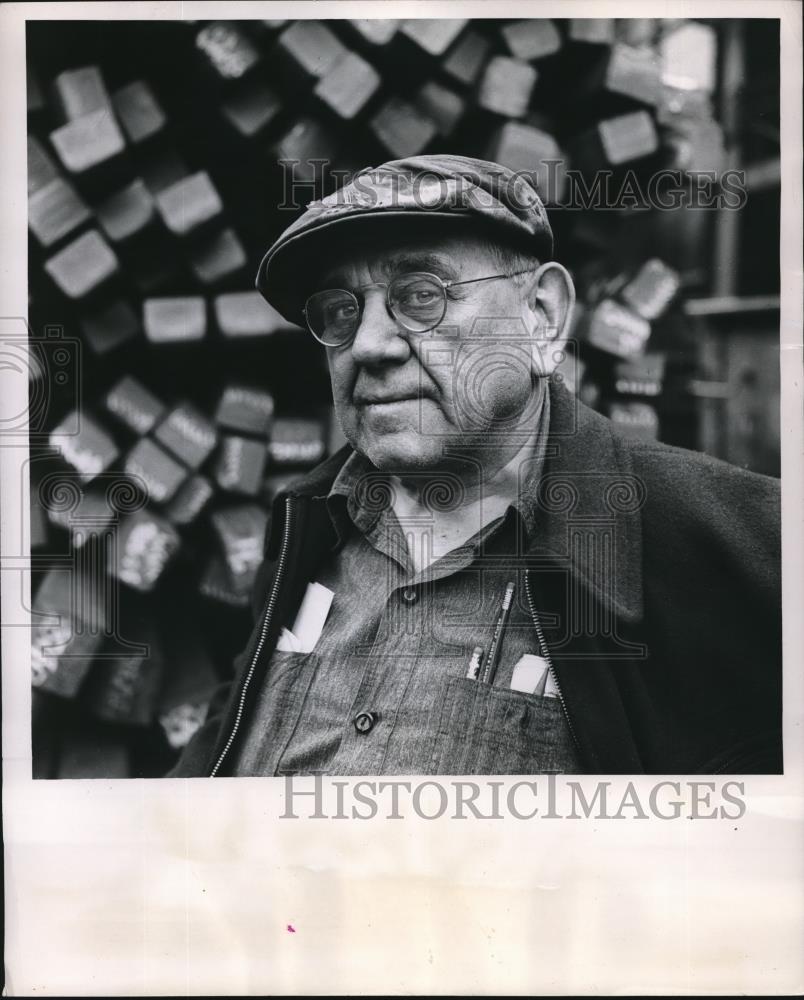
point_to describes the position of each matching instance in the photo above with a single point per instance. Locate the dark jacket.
(659, 572)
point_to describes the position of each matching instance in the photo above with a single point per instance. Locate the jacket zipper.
(546, 653)
(266, 624)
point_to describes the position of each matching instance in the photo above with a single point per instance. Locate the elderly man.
(489, 578)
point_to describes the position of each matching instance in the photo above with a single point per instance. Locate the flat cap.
(478, 193)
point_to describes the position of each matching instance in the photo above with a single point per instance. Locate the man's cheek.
(347, 418)
(344, 411)
(433, 419)
(490, 387)
(341, 394)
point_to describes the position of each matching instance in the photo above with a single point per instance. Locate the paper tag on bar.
(532, 676)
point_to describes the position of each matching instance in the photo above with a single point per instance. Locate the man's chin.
(402, 452)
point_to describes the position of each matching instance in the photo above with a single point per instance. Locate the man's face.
(398, 395)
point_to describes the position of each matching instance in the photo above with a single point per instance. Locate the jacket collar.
(587, 505)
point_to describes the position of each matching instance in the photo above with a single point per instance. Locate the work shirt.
(655, 573)
(385, 690)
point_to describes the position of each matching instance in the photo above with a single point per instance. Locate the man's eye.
(342, 313)
(418, 297)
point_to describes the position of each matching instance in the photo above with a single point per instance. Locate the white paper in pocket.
(287, 642)
(532, 676)
(309, 623)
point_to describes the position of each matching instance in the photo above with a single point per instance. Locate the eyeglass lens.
(333, 315)
(417, 301)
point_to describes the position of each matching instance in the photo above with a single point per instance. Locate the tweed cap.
(478, 193)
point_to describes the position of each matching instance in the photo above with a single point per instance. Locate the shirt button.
(365, 721)
(410, 595)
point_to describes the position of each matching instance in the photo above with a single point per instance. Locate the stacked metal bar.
(154, 185)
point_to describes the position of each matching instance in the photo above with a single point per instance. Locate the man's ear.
(551, 300)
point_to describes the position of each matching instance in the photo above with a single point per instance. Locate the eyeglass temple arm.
(488, 277)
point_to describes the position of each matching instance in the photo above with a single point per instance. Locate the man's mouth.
(385, 400)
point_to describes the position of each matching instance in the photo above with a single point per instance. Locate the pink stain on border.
(291, 929)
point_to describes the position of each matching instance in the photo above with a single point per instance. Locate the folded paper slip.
(532, 676)
(309, 623)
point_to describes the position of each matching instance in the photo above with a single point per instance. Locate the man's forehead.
(445, 257)
(391, 263)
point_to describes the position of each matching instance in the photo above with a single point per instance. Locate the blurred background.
(169, 403)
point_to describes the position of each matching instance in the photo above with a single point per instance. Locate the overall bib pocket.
(488, 730)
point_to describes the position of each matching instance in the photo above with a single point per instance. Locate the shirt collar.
(588, 484)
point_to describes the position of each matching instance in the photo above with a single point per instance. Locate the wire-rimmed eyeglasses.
(416, 300)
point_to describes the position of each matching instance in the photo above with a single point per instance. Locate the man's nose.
(379, 338)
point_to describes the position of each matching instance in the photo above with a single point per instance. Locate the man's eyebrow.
(431, 262)
(332, 279)
(400, 263)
